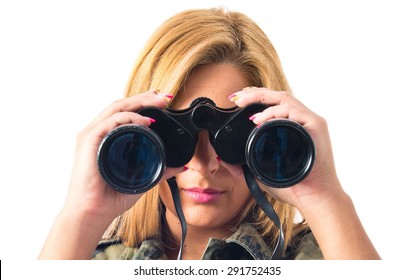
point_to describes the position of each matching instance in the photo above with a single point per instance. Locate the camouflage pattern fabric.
(244, 244)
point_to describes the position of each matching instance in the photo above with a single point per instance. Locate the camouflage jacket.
(245, 243)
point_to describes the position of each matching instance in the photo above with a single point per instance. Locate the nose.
(204, 160)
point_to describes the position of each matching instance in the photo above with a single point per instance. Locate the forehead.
(215, 81)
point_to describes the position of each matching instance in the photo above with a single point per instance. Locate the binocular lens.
(280, 153)
(131, 159)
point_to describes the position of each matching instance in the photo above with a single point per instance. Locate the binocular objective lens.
(131, 159)
(280, 153)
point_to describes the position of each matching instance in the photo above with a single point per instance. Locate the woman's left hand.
(322, 182)
(319, 197)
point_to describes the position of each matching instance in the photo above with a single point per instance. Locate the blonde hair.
(184, 42)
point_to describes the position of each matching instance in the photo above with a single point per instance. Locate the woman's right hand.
(88, 192)
(91, 204)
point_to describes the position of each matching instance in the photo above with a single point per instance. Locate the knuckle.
(263, 98)
(116, 105)
(322, 121)
(81, 136)
(288, 107)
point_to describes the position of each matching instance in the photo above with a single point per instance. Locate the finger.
(285, 111)
(133, 104)
(282, 105)
(119, 119)
(259, 95)
(170, 172)
(94, 135)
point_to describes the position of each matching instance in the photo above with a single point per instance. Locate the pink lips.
(203, 195)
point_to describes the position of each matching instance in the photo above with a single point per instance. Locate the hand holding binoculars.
(132, 158)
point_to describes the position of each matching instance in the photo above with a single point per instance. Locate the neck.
(196, 238)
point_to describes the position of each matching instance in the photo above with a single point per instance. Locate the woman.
(226, 57)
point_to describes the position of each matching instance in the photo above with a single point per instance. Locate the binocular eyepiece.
(132, 158)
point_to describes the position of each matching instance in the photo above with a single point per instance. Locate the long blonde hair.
(184, 42)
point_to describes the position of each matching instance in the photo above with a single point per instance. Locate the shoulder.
(304, 246)
(149, 249)
(113, 250)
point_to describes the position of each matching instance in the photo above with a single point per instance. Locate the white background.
(62, 62)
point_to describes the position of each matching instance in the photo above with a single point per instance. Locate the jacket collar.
(244, 243)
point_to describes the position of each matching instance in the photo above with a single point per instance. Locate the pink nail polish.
(231, 96)
(167, 95)
(252, 117)
(218, 159)
(152, 120)
(186, 168)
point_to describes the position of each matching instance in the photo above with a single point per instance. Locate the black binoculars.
(132, 158)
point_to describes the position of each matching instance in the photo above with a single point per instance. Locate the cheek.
(240, 197)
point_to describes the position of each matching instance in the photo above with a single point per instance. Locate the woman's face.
(212, 193)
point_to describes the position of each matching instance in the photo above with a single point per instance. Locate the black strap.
(258, 195)
(178, 207)
(262, 201)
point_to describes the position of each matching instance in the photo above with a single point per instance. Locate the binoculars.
(132, 158)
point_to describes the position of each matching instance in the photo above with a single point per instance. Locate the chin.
(211, 219)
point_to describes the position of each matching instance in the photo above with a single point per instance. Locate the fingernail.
(186, 168)
(218, 159)
(167, 95)
(233, 97)
(152, 120)
(253, 117)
